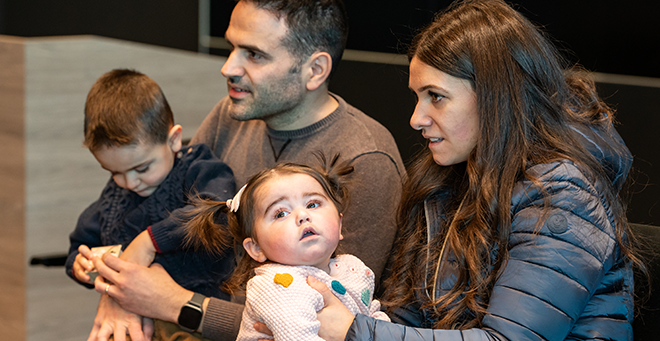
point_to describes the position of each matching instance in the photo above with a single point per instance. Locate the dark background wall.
(603, 35)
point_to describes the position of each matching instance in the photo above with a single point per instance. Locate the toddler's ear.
(341, 217)
(174, 138)
(254, 250)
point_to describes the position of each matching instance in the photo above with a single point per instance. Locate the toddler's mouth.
(307, 232)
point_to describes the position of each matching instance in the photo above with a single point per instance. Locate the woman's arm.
(553, 272)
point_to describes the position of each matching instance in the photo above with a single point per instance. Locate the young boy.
(129, 128)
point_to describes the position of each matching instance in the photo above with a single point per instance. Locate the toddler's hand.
(83, 263)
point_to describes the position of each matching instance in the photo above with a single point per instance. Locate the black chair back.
(646, 326)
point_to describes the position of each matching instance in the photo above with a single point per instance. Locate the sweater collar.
(313, 128)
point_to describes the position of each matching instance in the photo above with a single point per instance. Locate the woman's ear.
(254, 250)
(174, 138)
(319, 67)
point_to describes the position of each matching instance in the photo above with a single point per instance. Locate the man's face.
(259, 72)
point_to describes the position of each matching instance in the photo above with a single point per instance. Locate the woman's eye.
(435, 97)
(313, 205)
(142, 170)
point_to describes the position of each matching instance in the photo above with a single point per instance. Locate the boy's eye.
(281, 214)
(313, 205)
(142, 170)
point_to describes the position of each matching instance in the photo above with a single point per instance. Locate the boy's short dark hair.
(126, 107)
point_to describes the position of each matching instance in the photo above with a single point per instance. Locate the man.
(278, 109)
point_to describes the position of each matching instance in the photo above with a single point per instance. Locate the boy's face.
(295, 222)
(141, 167)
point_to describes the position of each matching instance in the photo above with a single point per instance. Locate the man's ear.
(318, 67)
(254, 250)
(174, 138)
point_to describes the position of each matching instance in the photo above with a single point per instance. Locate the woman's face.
(446, 113)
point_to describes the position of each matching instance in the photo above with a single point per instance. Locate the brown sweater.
(375, 187)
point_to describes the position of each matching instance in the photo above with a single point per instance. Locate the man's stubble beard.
(278, 101)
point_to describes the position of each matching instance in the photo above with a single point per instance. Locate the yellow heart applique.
(283, 279)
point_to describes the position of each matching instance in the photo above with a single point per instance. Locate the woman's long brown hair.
(527, 101)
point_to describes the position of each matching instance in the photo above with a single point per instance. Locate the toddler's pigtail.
(202, 228)
(336, 173)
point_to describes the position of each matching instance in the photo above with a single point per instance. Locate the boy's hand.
(83, 263)
(141, 250)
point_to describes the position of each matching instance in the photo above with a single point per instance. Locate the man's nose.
(233, 69)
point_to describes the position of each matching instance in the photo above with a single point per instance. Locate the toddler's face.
(296, 223)
(139, 168)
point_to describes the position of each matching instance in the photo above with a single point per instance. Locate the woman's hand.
(335, 318)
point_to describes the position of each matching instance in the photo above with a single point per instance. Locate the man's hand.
(111, 319)
(335, 318)
(146, 291)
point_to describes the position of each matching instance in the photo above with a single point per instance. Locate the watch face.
(190, 317)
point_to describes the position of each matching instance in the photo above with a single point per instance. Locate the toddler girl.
(289, 221)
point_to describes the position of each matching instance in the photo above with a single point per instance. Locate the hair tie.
(234, 203)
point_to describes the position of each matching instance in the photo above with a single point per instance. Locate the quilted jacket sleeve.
(561, 273)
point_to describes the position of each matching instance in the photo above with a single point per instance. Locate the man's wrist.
(191, 314)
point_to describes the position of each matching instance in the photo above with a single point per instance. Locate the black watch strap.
(191, 313)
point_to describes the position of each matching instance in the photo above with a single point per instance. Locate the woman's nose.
(419, 119)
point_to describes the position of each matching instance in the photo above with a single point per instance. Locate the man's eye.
(254, 55)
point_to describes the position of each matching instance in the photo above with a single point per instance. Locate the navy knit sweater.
(119, 215)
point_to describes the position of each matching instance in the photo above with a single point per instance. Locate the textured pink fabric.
(290, 311)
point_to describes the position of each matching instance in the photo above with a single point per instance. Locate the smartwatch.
(191, 313)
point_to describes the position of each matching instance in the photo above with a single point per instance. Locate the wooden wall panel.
(12, 190)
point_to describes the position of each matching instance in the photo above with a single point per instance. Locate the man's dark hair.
(319, 25)
(126, 107)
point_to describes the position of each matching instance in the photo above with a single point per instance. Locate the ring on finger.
(107, 288)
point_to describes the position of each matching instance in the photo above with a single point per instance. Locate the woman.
(511, 226)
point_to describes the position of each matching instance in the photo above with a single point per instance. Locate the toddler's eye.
(313, 205)
(281, 214)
